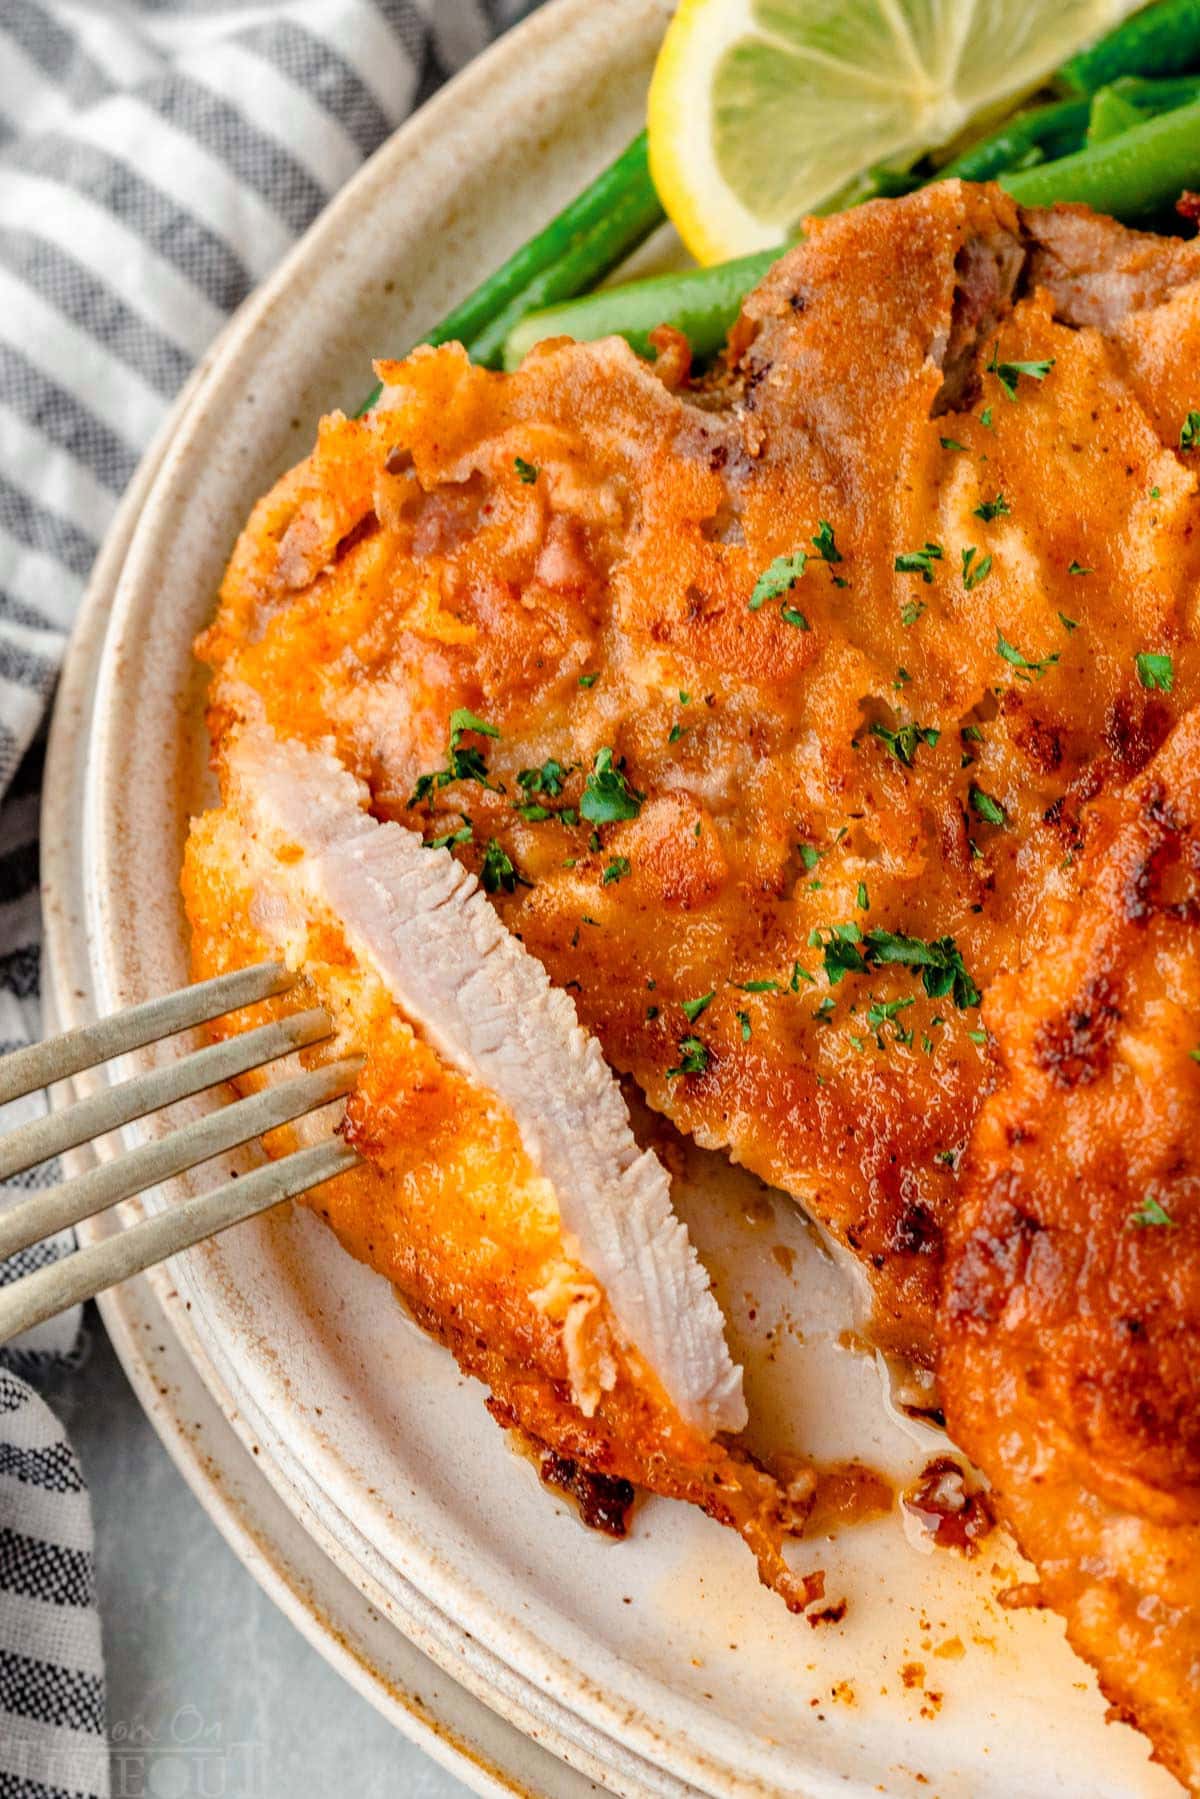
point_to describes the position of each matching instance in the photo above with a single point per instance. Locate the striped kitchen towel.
(157, 158)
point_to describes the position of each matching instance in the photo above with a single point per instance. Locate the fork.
(34, 1297)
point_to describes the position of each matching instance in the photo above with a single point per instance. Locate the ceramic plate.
(657, 1666)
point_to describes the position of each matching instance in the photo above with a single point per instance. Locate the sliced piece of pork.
(419, 920)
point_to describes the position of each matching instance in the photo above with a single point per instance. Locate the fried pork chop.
(789, 804)
(773, 712)
(502, 1191)
(1072, 1310)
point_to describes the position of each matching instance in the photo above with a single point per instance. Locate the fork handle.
(89, 1271)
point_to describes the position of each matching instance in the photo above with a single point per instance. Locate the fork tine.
(44, 1137)
(58, 1057)
(39, 1296)
(54, 1209)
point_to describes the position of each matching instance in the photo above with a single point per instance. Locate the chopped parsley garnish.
(940, 962)
(1151, 1212)
(985, 418)
(1009, 373)
(743, 1019)
(779, 578)
(987, 510)
(548, 778)
(1189, 432)
(463, 835)
(1155, 671)
(842, 954)
(800, 973)
(676, 732)
(912, 612)
(979, 1037)
(883, 1011)
(951, 443)
(1077, 568)
(824, 543)
(616, 870)
(693, 1058)
(902, 679)
(498, 873)
(847, 951)
(607, 795)
(758, 987)
(920, 562)
(685, 699)
(791, 616)
(810, 855)
(527, 472)
(462, 764)
(904, 742)
(588, 680)
(974, 572)
(1068, 624)
(985, 807)
(461, 720)
(863, 898)
(1014, 657)
(692, 1008)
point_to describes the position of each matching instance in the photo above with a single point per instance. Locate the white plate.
(658, 1666)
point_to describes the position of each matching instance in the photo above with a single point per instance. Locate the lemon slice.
(761, 109)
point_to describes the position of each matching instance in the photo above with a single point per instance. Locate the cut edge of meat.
(419, 919)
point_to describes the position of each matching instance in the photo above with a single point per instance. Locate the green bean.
(1060, 128)
(1162, 40)
(621, 197)
(1163, 95)
(883, 181)
(1132, 100)
(702, 303)
(1146, 168)
(633, 216)
(1054, 130)
(1111, 114)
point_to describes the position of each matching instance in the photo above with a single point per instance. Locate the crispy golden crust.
(570, 552)
(449, 1208)
(1071, 1320)
(406, 569)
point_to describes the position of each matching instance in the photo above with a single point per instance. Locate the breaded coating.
(1072, 1312)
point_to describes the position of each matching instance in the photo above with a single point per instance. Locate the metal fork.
(51, 1289)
